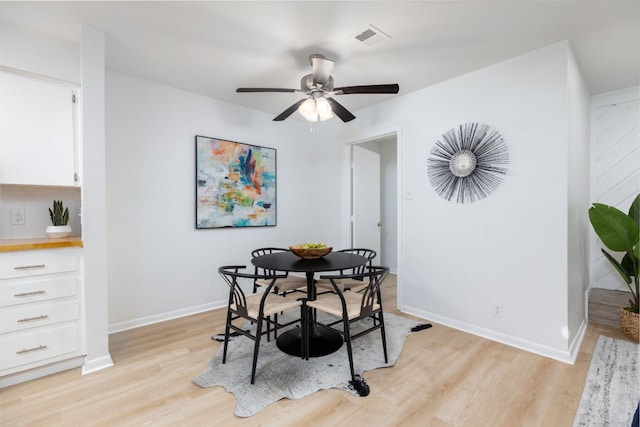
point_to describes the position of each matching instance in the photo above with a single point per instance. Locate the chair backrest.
(369, 254)
(370, 295)
(231, 275)
(265, 251)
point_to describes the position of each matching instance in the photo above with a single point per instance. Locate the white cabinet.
(40, 309)
(37, 131)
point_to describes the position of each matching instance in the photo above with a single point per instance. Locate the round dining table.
(322, 341)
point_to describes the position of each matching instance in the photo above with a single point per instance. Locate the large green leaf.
(617, 266)
(628, 265)
(634, 213)
(634, 210)
(617, 230)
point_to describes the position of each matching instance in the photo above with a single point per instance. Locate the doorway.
(373, 196)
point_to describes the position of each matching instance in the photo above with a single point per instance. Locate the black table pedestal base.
(322, 341)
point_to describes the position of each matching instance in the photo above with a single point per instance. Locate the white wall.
(160, 266)
(92, 176)
(31, 51)
(615, 157)
(578, 200)
(511, 248)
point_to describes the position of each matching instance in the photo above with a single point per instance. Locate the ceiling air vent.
(371, 36)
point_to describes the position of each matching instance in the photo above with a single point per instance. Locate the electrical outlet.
(497, 309)
(18, 217)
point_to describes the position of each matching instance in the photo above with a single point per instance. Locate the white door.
(365, 199)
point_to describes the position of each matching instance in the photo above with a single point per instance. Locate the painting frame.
(236, 184)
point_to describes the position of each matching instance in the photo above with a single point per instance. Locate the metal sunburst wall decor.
(468, 163)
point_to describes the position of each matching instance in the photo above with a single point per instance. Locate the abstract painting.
(235, 184)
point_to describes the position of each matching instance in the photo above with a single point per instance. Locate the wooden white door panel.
(366, 199)
(37, 144)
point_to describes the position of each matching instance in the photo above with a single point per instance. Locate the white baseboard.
(532, 347)
(31, 374)
(98, 364)
(574, 348)
(162, 317)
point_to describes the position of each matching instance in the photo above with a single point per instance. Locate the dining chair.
(284, 284)
(351, 307)
(355, 283)
(257, 308)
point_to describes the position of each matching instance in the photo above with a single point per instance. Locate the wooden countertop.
(9, 245)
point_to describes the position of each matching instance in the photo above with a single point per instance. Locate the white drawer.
(21, 291)
(35, 315)
(37, 262)
(21, 349)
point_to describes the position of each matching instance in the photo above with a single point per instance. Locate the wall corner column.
(93, 178)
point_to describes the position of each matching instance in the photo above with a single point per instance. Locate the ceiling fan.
(318, 87)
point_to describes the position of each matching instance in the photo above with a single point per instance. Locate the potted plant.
(620, 232)
(59, 219)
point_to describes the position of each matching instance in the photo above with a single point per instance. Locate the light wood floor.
(443, 378)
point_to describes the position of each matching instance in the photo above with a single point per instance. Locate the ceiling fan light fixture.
(308, 110)
(324, 109)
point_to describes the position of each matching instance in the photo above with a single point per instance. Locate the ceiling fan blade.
(289, 111)
(340, 111)
(348, 90)
(264, 89)
(322, 68)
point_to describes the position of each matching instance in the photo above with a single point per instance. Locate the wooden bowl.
(311, 253)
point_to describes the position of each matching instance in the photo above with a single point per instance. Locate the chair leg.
(275, 327)
(226, 337)
(347, 338)
(256, 348)
(304, 331)
(358, 383)
(384, 338)
(269, 328)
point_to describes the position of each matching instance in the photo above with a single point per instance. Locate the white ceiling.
(213, 47)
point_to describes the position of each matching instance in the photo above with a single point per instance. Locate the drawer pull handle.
(28, 294)
(28, 350)
(29, 267)
(28, 319)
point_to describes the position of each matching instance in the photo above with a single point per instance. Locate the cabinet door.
(37, 132)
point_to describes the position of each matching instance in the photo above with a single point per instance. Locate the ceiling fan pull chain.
(314, 128)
